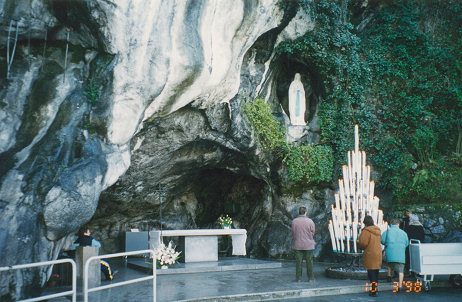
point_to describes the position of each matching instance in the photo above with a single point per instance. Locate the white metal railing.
(86, 290)
(72, 292)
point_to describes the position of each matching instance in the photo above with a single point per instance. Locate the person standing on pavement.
(405, 223)
(369, 241)
(303, 230)
(414, 230)
(395, 241)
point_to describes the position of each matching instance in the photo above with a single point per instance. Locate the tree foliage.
(400, 79)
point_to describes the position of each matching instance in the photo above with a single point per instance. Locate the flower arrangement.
(225, 221)
(166, 255)
(54, 279)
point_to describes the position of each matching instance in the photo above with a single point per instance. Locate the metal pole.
(9, 61)
(65, 58)
(28, 35)
(160, 191)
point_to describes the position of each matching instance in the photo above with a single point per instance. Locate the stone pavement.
(232, 285)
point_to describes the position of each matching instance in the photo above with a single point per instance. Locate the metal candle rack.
(354, 201)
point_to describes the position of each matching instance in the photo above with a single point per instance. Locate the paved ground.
(437, 294)
(242, 285)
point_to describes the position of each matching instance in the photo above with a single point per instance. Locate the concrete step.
(223, 264)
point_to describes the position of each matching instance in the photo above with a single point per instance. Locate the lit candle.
(371, 188)
(337, 201)
(376, 204)
(349, 159)
(356, 138)
(350, 172)
(342, 193)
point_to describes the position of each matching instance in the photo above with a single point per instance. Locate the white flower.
(166, 254)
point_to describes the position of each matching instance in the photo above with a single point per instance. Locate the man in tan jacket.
(303, 243)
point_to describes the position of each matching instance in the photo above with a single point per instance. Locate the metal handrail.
(72, 292)
(86, 290)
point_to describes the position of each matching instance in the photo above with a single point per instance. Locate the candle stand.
(353, 202)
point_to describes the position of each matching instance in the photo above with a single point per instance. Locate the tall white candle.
(368, 178)
(363, 165)
(342, 193)
(332, 236)
(371, 188)
(346, 181)
(350, 172)
(380, 218)
(356, 138)
(337, 233)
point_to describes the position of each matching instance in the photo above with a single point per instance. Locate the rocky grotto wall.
(102, 101)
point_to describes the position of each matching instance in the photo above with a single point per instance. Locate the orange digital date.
(409, 286)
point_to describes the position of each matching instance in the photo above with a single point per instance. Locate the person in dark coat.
(84, 239)
(414, 230)
(369, 241)
(405, 223)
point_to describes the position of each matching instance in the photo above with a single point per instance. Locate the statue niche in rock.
(297, 102)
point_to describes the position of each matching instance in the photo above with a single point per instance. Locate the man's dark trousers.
(308, 256)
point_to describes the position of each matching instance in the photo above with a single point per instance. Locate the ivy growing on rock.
(400, 79)
(306, 164)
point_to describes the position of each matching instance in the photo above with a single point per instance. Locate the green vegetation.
(306, 164)
(92, 92)
(269, 131)
(400, 79)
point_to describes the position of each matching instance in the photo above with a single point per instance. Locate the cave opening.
(222, 192)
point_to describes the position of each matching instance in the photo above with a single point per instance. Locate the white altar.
(202, 244)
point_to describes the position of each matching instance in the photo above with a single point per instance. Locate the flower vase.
(164, 267)
(226, 227)
(51, 283)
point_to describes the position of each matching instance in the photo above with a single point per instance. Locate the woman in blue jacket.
(395, 241)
